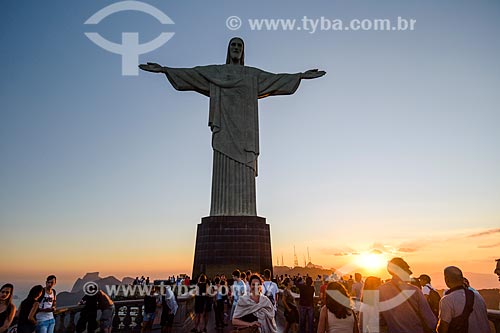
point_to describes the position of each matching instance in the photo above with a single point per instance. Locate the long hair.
(228, 56)
(35, 291)
(339, 310)
(202, 278)
(8, 301)
(369, 289)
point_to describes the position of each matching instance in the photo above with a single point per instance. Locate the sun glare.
(371, 261)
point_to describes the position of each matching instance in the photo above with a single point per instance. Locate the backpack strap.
(469, 304)
(426, 327)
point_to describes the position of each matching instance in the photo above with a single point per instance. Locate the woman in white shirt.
(336, 315)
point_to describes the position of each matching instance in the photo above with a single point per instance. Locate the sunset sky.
(396, 149)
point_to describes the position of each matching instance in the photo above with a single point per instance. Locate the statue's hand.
(151, 67)
(313, 74)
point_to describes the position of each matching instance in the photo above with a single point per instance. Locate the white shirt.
(336, 325)
(452, 305)
(269, 287)
(170, 300)
(426, 290)
(239, 289)
(45, 303)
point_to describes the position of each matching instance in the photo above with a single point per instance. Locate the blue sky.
(399, 139)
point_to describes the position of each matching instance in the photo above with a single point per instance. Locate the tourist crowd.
(249, 302)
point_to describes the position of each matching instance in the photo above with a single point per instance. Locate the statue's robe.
(234, 91)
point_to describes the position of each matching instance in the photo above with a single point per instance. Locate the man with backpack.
(431, 295)
(270, 289)
(462, 310)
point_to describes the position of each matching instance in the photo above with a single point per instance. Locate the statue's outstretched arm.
(152, 67)
(312, 74)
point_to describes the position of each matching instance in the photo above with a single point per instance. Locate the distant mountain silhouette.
(76, 294)
(80, 282)
(311, 269)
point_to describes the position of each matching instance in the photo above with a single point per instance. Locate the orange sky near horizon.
(471, 250)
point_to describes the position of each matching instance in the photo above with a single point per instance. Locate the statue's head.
(236, 51)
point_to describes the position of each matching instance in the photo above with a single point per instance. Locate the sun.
(372, 261)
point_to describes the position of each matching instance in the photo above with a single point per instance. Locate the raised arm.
(312, 74)
(283, 84)
(152, 67)
(183, 79)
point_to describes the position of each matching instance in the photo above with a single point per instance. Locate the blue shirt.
(239, 289)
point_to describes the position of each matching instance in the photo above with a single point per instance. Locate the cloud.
(337, 252)
(485, 233)
(406, 250)
(489, 246)
(413, 246)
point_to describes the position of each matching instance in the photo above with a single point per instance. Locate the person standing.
(336, 316)
(107, 307)
(497, 269)
(270, 289)
(200, 303)
(150, 305)
(410, 311)
(169, 309)
(461, 307)
(220, 297)
(46, 307)
(254, 309)
(7, 308)
(430, 294)
(369, 311)
(88, 315)
(356, 289)
(27, 311)
(306, 306)
(291, 312)
(239, 289)
(322, 290)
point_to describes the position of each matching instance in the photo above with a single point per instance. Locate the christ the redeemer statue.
(234, 90)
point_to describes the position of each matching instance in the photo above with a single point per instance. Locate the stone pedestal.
(224, 243)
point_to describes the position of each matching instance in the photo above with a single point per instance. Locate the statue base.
(226, 243)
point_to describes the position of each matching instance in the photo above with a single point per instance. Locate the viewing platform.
(128, 317)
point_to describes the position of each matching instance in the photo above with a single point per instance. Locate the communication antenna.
(295, 260)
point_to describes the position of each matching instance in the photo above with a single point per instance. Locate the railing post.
(128, 319)
(71, 325)
(59, 319)
(494, 317)
(139, 318)
(116, 318)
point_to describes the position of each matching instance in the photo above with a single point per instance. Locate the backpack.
(269, 294)
(43, 295)
(433, 301)
(460, 324)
